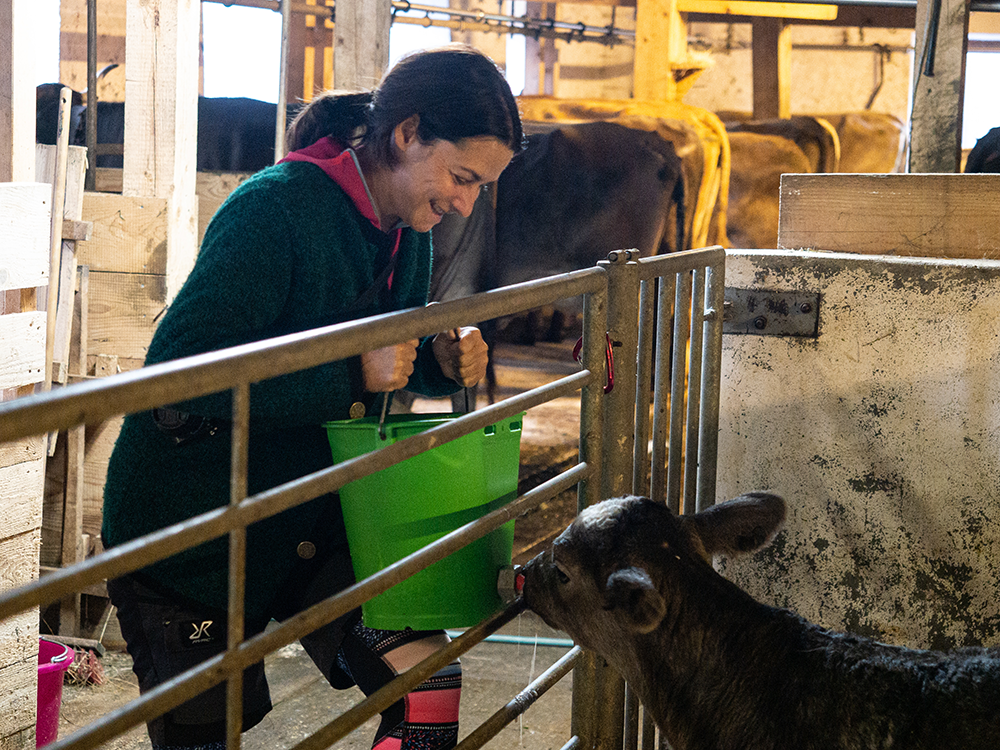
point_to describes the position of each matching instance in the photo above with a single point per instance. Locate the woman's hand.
(462, 359)
(388, 369)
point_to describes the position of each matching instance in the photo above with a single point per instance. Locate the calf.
(718, 670)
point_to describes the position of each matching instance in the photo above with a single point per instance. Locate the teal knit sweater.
(286, 252)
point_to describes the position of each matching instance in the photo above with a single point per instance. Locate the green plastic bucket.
(397, 511)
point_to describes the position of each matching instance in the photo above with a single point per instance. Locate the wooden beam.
(848, 15)
(939, 86)
(809, 11)
(660, 40)
(923, 215)
(19, 20)
(161, 112)
(361, 43)
(772, 53)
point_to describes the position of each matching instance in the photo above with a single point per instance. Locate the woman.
(338, 230)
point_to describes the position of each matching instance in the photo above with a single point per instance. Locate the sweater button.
(357, 410)
(306, 550)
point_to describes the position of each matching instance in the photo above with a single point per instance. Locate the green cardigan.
(286, 252)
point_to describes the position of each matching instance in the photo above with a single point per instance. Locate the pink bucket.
(53, 661)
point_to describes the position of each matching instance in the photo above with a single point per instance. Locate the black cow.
(720, 671)
(234, 134)
(574, 194)
(985, 155)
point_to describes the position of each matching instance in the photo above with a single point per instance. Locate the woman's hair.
(456, 90)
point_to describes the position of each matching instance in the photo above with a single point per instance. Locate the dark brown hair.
(457, 91)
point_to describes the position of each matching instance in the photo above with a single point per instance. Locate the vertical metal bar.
(708, 445)
(619, 403)
(661, 396)
(281, 109)
(583, 716)
(648, 731)
(643, 379)
(237, 559)
(694, 390)
(631, 741)
(90, 180)
(678, 376)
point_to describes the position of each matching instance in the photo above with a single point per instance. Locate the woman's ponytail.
(342, 116)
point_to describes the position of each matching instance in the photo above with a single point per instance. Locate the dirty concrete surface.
(493, 672)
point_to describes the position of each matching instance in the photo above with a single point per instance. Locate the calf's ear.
(738, 526)
(631, 592)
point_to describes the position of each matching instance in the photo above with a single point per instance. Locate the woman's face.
(435, 178)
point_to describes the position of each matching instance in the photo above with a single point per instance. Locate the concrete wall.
(833, 69)
(882, 436)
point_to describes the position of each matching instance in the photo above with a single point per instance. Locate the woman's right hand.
(389, 368)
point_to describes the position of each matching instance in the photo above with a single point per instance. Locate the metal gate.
(663, 445)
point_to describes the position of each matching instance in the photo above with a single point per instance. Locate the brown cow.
(720, 671)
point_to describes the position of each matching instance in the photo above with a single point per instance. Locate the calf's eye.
(561, 574)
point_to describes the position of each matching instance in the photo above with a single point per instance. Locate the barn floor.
(493, 671)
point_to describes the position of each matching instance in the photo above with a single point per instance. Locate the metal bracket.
(771, 313)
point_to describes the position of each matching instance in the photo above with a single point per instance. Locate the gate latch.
(771, 313)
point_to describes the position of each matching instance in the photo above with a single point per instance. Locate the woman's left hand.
(462, 359)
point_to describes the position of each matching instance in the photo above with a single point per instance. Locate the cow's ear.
(744, 524)
(632, 593)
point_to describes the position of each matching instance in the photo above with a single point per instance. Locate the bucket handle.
(61, 657)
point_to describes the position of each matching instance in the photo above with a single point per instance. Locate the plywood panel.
(933, 215)
(22, 349)
(24, 234)
(129, 233)
(124, 309)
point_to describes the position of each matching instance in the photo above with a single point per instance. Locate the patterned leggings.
(426, 718)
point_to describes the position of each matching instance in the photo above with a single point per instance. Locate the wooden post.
(939, 86)
(161, 119)
(660, 40)
(361, 43)
(18, 18)
(772, 53)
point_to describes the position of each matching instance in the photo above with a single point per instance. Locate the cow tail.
(678, 198)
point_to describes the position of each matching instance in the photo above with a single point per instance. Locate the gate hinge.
(771, 313)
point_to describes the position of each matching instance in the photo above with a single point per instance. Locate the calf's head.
(621, 566)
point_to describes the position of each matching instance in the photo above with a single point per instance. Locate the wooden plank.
(18, 638)
(124, 310)
(24, 234)
(161, 119)
(23, 485)
(772, 68)
(130, 233)
(936, 117)
(940, 215)
(21, 451)
(22, 349)
(19, 22)
(361, 43)
(809, 11)
(660, 40)
(213, 188)
(17, 701)
(19, 559)
(76, 168)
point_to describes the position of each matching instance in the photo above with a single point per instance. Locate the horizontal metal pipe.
(521, 702)
(168, 541)
(215, 670)
(92, 401)
(673, 263)
(522, 640)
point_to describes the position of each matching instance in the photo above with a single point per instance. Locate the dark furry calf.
(719, 670)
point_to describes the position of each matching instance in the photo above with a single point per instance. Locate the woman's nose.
(466, 199)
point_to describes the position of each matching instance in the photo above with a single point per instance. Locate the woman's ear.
(405, 133)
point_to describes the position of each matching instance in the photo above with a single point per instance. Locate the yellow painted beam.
(809, 11)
